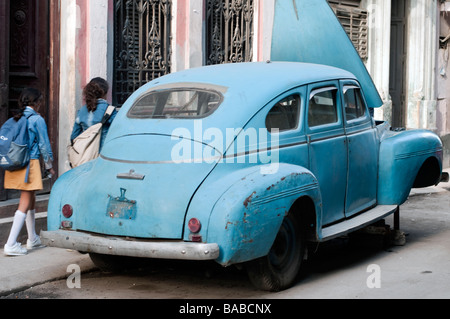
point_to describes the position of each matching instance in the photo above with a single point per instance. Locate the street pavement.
(48, 264)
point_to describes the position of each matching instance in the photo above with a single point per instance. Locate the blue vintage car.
(242, 164)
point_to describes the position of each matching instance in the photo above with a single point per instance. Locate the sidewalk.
(38, 266)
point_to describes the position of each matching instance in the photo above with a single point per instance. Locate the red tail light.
(67, 211)
(194, 225)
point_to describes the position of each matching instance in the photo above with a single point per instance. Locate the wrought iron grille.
(141, 44)
(229, 31)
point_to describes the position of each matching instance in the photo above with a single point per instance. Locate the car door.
(362, 150)
(327, 147)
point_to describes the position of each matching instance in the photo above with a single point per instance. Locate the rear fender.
(63, 191)
(247, 217)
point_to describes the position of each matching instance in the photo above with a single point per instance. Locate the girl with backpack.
(94, 94)
(29, 102)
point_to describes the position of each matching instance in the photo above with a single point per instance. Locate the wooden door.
(24, 59)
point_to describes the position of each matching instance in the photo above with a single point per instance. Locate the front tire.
(279, 269)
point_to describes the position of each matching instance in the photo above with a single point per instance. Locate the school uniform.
(39, 146)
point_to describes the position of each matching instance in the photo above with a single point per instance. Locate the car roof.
(270, 76)
(246, 87)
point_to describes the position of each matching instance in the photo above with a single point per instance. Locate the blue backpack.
(14, 145)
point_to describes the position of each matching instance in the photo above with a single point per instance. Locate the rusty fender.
(247, 217)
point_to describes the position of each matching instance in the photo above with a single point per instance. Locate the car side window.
(322, 107)
(354, 104)
(284, 115)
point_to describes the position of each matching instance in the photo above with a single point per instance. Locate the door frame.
(4, 76)
(54, 78)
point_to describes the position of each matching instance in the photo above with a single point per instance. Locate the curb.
(39, 266)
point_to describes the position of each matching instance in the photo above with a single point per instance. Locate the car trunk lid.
(136, 191)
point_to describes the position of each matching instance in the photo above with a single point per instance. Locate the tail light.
(67, 211)
(194, 225)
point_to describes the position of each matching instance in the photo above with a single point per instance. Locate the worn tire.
(279, 269)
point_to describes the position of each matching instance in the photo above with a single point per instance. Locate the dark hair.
(28, 97)
(94, 90)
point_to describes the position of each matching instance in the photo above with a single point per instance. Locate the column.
(421, 71)
(379, 52)
(187, 34)
(70, 20)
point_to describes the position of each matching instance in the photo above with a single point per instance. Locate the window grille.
(229, 25)
(355, 23)
(141, 44)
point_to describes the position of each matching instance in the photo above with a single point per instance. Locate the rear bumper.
(135, 248)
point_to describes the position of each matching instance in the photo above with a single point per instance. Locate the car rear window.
(176, 103)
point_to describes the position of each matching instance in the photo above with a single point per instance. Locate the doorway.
(27, 60)
(397, 70)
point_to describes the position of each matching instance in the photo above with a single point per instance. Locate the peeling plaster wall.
(427, 82)
(68, 87)
(187, 34)
(443, 82)
(86, 52)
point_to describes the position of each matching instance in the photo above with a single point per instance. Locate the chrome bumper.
(135, 248)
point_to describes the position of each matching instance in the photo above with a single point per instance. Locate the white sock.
(19, 220)
(30, 221)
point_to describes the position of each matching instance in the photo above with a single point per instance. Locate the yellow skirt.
(16, 179)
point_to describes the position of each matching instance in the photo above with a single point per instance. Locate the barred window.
(229, 31)
(355, 22)
(141, 44)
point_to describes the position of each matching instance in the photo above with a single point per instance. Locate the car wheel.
(279, 269)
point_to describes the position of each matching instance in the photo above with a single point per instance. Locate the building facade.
(403, 43)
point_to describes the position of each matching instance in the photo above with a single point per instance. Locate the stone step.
(9, 207)
(7, 210)
(6, 223)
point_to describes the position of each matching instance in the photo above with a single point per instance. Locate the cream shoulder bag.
(85, 147)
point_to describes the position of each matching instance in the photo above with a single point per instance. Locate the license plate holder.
(121, 207)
